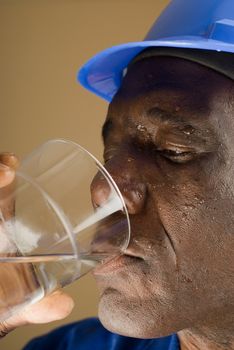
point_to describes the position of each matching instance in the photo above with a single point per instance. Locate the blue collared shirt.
(89, 334)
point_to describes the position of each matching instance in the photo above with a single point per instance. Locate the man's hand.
(55, 306)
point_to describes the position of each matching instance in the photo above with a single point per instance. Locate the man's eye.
(177, 156)
(108, 154)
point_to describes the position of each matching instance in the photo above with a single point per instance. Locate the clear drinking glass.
(55, 233)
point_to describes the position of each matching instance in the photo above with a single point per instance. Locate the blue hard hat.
(197, 24)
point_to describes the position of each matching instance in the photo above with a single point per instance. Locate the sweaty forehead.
(176, 90)
(173, 81)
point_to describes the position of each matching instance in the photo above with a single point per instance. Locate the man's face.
(169, 145)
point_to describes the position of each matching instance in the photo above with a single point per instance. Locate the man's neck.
(204, 339)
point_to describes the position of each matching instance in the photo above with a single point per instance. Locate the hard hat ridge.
(187, 18)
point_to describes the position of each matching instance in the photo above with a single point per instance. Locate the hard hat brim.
(103, 73)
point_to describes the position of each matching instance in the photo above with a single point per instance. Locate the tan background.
(43, 43)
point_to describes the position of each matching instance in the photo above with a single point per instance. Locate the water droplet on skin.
(141, 127)
(199, 200)
(187, 279)
(188, 130)
(189, 207)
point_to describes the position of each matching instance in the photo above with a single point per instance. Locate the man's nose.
(132, 190)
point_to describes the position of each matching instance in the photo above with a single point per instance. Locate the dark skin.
(169, 145)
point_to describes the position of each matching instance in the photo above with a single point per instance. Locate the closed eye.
(177, 156)
(109, 153)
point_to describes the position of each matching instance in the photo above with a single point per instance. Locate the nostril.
(134, 193)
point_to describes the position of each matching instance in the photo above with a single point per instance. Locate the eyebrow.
(159, 114)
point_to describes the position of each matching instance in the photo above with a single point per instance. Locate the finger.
(8, 164)
(9, 159)
(7, 175)
(53, 307)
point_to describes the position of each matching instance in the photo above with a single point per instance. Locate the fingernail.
(9, 159)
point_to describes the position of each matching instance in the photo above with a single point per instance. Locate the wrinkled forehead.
(182, 89)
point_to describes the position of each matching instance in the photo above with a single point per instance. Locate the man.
(168, 143)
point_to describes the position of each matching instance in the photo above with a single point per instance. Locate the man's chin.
(129, 318)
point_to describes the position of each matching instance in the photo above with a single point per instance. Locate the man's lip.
(116, 264)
